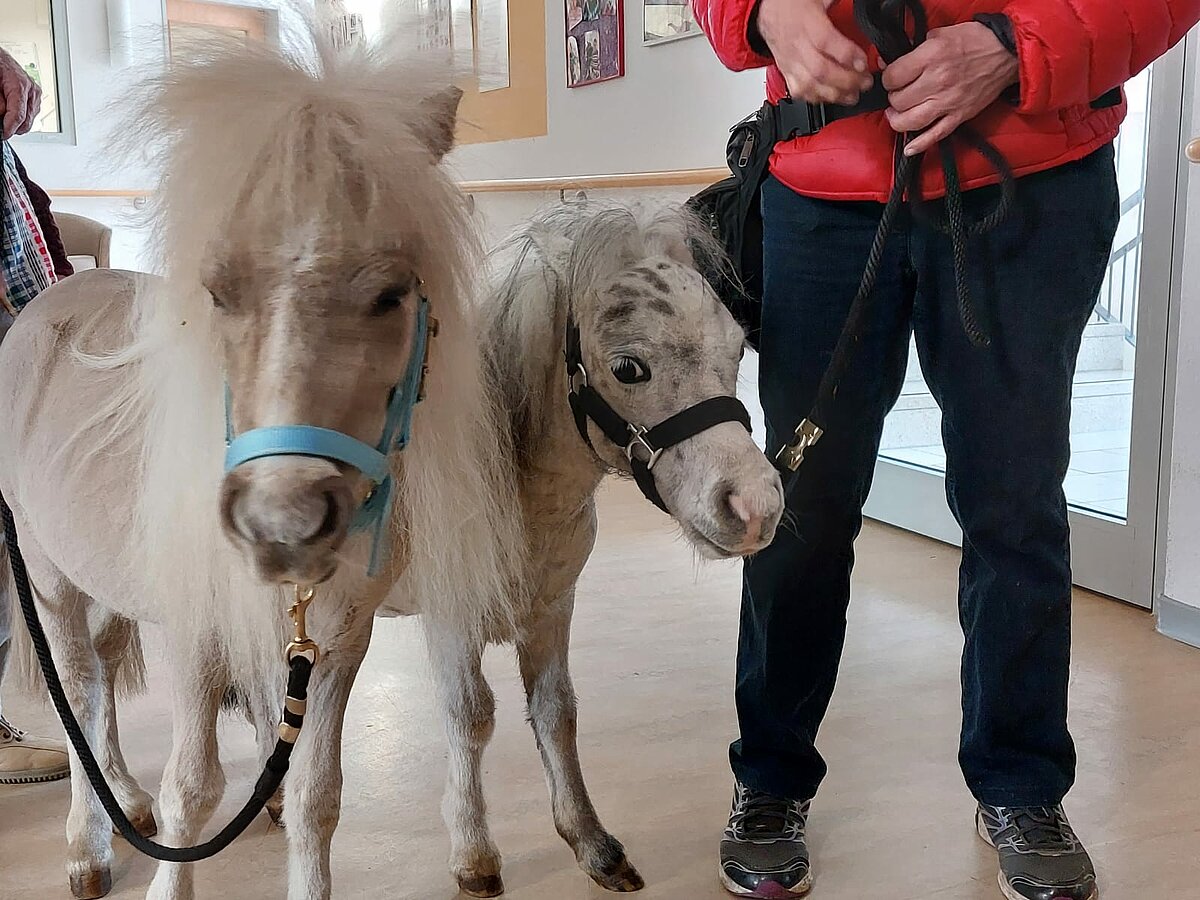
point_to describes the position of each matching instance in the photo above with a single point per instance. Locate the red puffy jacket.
(1071, 52)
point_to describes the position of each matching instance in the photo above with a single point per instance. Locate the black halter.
(642, 446)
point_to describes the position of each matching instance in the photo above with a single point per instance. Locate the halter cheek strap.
(325, 443)
(643, 447)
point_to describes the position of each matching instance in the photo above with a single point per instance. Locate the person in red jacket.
(1040, 80)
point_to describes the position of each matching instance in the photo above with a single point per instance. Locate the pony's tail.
(118, 642)
(22, 670)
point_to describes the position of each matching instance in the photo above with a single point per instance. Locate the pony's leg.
(469, 710)
(114, 643)
(313, 804)
(542, 652)
(89, 835)
(193, 781)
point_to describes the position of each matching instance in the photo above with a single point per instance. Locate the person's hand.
(818, 62)
(20, 98)
(950, 79)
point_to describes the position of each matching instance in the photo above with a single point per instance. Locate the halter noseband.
(642, 446)
(325, 443)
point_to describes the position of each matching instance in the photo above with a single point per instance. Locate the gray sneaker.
(763, 853)
(1040, 856)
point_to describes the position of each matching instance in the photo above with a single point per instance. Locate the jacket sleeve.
(1073, 51)
(727, 24)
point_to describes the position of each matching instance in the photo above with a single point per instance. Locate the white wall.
(96, 84)
(672, 110)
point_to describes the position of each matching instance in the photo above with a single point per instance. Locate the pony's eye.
(217, 302)
(389, 300)
(628, 370)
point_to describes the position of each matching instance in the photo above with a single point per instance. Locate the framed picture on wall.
(595, 41)
(191, 24)
(667, 20)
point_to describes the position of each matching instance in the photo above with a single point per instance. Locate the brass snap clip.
(792, 454)
(301, 644)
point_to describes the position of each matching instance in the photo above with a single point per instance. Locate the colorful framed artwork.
(667, 20)
(595, 41)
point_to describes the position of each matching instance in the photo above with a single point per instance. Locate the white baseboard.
(1179, 621)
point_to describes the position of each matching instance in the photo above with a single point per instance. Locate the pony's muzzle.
(751, 510)
(289, 514)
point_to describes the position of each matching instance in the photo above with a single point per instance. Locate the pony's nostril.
(752, 520)
(231, 496)
(740, 508)
(333, 516)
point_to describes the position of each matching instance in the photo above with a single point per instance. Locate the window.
(34, 33)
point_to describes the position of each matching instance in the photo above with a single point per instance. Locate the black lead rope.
(272, 776)
(884, 23)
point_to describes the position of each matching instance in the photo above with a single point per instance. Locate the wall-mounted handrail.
(557, 184)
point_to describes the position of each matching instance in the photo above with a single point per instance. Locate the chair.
(86, 241)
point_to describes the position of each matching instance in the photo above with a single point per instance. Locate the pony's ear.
(439, 116)
(554, 248)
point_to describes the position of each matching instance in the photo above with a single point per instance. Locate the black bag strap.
(793, 120)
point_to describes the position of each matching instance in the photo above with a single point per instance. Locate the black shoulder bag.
(731, 208)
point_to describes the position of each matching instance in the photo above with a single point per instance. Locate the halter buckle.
(432, 327)
(791, 455)
(579, 373)
(638, 440)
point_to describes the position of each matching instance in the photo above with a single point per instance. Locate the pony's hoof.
(621, 877)
(91, 885)
(481, 885)
(143, 823)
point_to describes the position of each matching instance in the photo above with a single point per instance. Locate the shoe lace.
(759, 816)
(8, 731)
(1043, 828)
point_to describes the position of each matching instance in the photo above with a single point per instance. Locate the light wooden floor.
(653, 660)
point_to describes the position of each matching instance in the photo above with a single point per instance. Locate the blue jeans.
(1006, 414)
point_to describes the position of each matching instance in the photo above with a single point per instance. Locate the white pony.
(301, 214)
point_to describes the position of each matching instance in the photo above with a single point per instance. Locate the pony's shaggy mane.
(283, 135)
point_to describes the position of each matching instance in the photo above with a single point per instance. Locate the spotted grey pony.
(614, 292)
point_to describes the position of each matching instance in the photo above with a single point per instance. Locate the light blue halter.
(325, 443)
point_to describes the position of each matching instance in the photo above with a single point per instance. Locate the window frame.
(60, 33)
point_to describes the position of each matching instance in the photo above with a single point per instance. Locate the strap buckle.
(799, 119)
(637, 441)
(580, 374)
(791, 454)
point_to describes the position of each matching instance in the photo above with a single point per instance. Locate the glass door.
(1117, 406)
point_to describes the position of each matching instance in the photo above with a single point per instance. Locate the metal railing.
(1118, 300)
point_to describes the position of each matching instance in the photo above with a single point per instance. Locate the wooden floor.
(653, 660)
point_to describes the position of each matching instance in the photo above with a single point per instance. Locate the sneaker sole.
(1007, 890)
(15, 778)
(737, 890)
